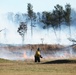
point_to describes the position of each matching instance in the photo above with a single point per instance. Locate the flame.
(24, 55)
(27, 57)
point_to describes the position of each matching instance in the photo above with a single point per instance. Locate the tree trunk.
(59, 38)
(22, 40)
(70, 32)
(31, 29)
(55, 33)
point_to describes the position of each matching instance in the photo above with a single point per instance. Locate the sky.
(21, 6)
(38, 5)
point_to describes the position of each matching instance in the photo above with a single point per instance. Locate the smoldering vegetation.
(64, 53)
(14, 52)
(27, 52)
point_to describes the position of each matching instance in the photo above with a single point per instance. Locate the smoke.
(65, 53)
(20, 53)
(16, 54)
(10, 35)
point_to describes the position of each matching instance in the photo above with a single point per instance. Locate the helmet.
(38, 49)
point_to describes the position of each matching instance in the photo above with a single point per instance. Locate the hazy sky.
(38, 5)
(21, 6)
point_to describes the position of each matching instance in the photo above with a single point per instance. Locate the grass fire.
(37, 42)
(57, 60)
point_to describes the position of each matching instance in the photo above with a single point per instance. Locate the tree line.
(55, 19)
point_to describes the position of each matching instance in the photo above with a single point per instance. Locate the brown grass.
(45, 67)
(30, 68)
(34, 47)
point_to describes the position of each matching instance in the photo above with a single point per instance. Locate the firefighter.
(37, 55)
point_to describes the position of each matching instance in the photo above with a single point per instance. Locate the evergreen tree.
(30, 14)
(46, 19)
(67, 16)
(34, 18)
(54, 23)
(17, 18)
(59, 13)
(39, 17)
(22, 30)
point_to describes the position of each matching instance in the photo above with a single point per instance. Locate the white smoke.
(10, 35)
(64, 53)
(18, 53)
(6, 53)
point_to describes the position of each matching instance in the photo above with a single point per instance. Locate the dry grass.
(46, 67)
(30, 68)
(33, 47)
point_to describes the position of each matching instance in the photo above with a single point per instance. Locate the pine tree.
(46, 19)
(67, 16)
(22, 30)
(59, 13)
(54, 23)
(30, 14)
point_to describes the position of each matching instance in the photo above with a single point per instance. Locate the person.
(37, 55)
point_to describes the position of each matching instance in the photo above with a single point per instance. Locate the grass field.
(45, 67)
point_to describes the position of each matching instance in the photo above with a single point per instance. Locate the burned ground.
(63, 61)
